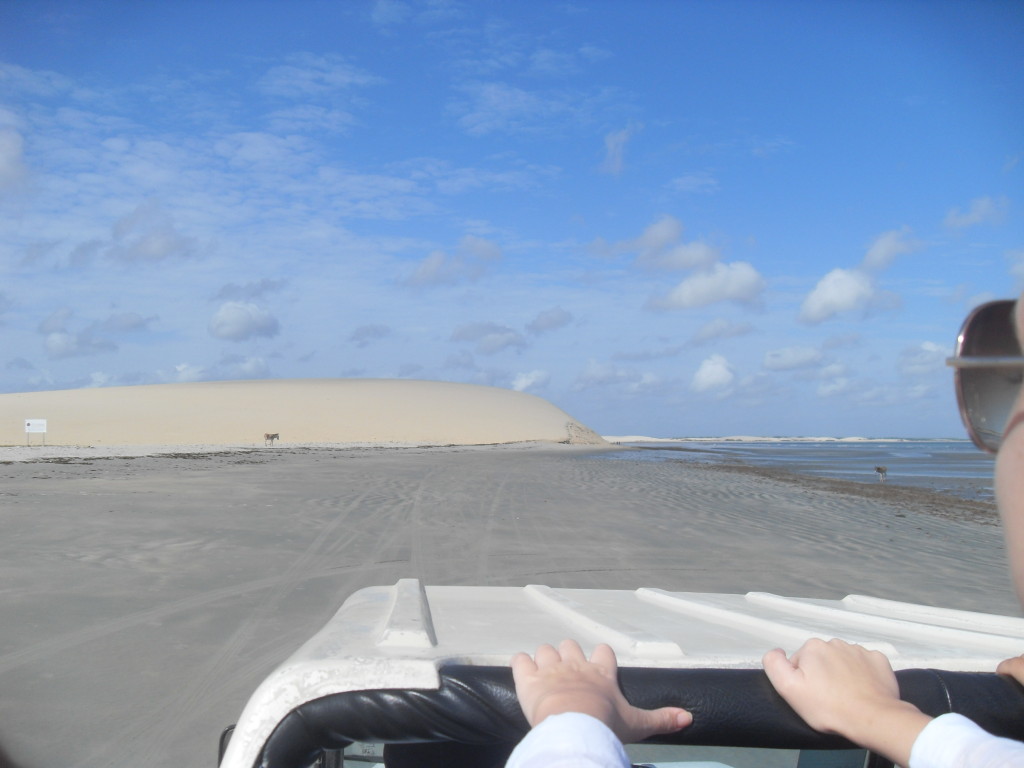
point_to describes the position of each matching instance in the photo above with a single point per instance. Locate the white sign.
(35, 426)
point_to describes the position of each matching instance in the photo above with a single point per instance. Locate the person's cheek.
(1010, 476)
(1010, 497)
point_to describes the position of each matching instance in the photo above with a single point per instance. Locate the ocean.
(948, 466)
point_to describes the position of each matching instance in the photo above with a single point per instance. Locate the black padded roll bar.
(477, 706)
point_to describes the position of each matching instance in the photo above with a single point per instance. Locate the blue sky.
(667, 218)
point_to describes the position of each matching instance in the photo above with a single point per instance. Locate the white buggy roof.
(398, 637)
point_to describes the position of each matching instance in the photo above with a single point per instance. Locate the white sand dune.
(300, 410)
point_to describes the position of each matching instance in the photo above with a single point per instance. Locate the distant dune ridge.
(300, 410)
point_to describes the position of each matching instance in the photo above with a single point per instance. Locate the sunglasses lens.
(987, 394)
(988, 397)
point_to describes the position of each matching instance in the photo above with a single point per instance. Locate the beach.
(146, 589)
(144, 598)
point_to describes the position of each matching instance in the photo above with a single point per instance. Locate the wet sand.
(144, 598)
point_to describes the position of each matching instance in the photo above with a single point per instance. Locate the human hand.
(562, 680)
(1013, 667)
(846, 689)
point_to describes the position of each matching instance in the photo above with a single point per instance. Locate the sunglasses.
(988, 367)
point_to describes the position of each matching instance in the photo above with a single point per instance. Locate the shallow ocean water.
(950, 466)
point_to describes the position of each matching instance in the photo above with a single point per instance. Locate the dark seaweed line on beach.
(924, 500)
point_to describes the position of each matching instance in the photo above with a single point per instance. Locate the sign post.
(34, 426)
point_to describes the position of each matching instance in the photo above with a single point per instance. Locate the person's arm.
(953, 741)
(846, 689)
(569, 740)
(563, 680)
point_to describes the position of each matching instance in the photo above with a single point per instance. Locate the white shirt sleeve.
(569, 740)
(953, 741)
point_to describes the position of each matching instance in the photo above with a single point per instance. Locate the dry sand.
(142, 598)
(300, 410)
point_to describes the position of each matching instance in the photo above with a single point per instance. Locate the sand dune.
(301, 411)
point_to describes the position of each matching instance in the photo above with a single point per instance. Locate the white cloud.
(923, 359)
(33, 82)
(719, 328)
(549, 320)
(479, 249)
(841, 290)
(842, 341)
(659, 247)
(366, 334)
(489, 338)
(769, 147)
(126, 321)
(237, 321)
(234, 367)
(309, 118)
(832, 371)
(615, 148)
(499, 107)
(834, 380)
(255, 150)
(715, 373)
(474, 257)
(694, 182)
(185, 372)
(887, 246)
(100, 379)
(62, 344)
(55, 321)
(550, 62)
(155, 245)
(149, 234)
(462, 359)
(306, 75)
(253, 289)
(19, 364)
(889, 395)
(489, 107)
(845, 290)
(982, 210)
(458, 180)
(389, 12)
(684, 256)
(612, 378)
(656, 237)
(1016, 259)
(12, 158)
(531, 380)
(647, 382)
(838, 385)
(737, 281)
(791, 358)
(649, 354)
(598, 374)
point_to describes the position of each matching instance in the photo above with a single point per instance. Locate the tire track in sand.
(149, 737)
